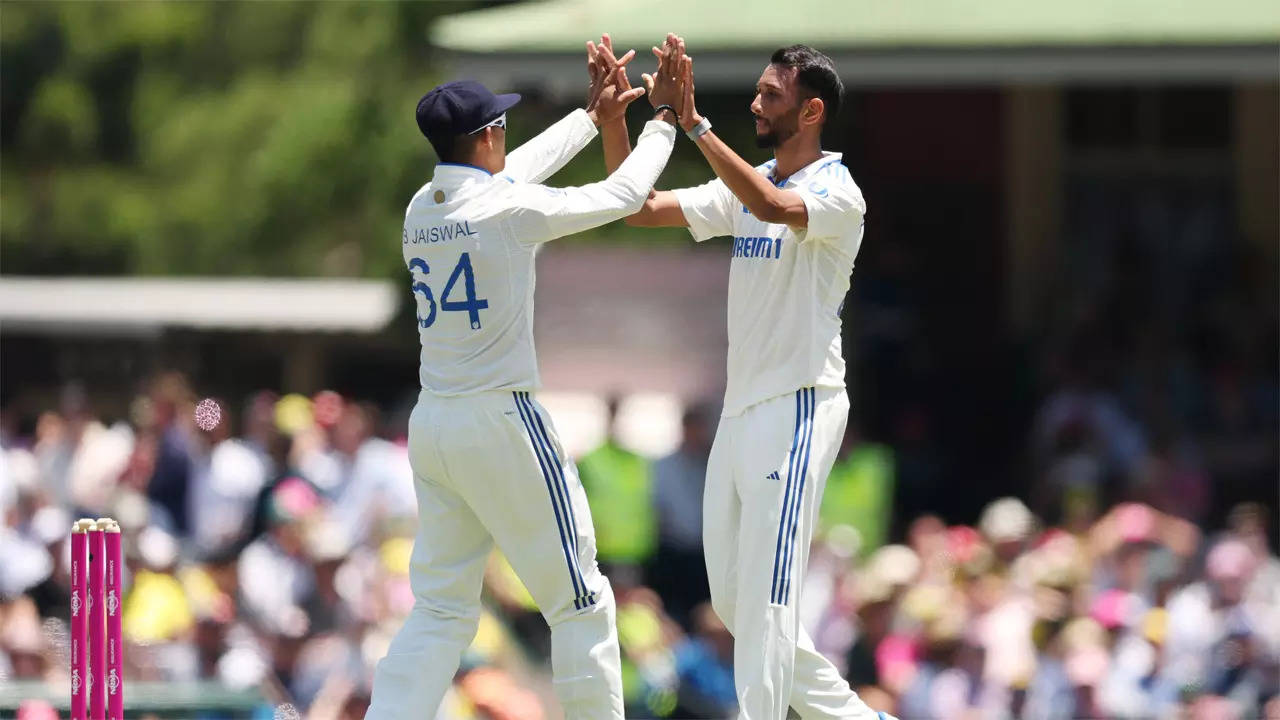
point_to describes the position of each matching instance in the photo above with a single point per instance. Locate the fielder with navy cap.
(488, 465)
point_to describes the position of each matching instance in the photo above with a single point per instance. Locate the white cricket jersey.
(470, 239)
(786, 285)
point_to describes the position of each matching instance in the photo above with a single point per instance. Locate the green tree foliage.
(224, 138)
(210, 138)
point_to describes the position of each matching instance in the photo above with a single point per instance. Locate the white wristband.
(699, 130)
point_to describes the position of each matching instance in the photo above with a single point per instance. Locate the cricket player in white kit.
(487, 463)
(796, 224)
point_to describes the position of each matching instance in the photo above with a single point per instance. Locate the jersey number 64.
(472, 306)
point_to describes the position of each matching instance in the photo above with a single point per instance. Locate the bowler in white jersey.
(487, 464)
(796, 223)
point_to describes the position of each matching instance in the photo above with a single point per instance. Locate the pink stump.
(115, 630)
(97, 625)
(79, 619)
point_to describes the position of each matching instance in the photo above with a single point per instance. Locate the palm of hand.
(666, 85)
(610, 92)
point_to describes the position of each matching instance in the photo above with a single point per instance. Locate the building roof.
(564, 25)
(881, 42)
(72, 304)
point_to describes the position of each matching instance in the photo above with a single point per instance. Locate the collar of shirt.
(457, 174)
(828, 158)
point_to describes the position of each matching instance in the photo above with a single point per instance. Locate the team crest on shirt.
(818, 189)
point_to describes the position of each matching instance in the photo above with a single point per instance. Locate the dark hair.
(815, 75)
(453, 149)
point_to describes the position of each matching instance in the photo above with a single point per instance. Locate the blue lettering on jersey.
(757, 247)
(439, 233)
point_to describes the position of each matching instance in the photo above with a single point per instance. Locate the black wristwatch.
(658, 111)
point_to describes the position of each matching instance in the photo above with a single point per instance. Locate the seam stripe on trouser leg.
(786, 494)
(585, 597)
(803, 469)
(555, 504)
(797, 495)
(794, 496)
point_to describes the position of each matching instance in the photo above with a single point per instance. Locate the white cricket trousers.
(765, 477)
(489, 468)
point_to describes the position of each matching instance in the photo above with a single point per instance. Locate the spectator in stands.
(678, 570)
(1114, 617)
(171, 405)
(618, 486)
(860, 490)
(704, 663)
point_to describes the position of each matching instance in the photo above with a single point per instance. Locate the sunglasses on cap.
(500, 122)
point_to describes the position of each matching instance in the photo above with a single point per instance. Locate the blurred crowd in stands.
(271, 553)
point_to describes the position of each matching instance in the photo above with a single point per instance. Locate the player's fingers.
(620, 79)
(631, 54)
(686, 90)
(648, 81)
(631, 95)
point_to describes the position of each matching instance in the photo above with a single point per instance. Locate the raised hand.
(611, 91)
(665, 86)
(689, 116)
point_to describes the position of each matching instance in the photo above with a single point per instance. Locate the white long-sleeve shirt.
(470, 239)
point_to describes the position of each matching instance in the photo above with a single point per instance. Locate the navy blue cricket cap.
(460, 107)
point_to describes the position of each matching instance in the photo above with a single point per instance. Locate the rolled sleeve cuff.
(822, 221)
(698, 225)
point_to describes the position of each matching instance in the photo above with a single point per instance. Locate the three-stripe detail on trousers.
(793, 496)
(558, 489)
